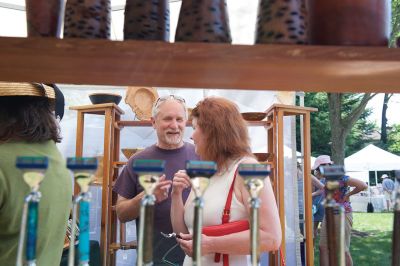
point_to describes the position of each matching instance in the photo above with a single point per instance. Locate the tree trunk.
(384, 118)
(341, 126)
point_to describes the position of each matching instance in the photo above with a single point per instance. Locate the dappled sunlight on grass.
(371, 243)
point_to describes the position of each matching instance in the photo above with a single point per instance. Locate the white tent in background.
(372, 158)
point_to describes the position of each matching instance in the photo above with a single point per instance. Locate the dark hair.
(27, 118)
(224, 129)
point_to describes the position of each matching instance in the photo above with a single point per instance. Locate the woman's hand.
(161, 191)
(186, 243)
(180, 182)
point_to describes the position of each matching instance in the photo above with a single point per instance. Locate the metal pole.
(254, 175)
(199, 173)
(33, 173)
(23, 231)
(334, 215)
(83, 169)
(71, 254)
(149, 172)
(84, 241)
(396, 224)
(198, 214)
(145, 245)
(254, 218)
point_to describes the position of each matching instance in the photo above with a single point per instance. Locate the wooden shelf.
(147, 123)
(97, 109)
(200, 65)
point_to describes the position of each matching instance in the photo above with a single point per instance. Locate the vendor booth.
(258, 78)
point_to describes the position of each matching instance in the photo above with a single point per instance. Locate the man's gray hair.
(161, 100)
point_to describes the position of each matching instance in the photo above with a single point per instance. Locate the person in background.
(318, 194)
(29, 128)
(169, 117)
(300, 187)
(220, 135)
(388, 188)
(342, 197)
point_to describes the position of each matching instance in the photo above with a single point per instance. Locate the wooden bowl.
(254, 116)
(262, 156)
(128, 152)
(98, 98)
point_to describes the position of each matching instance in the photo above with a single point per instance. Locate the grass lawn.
(371, 244)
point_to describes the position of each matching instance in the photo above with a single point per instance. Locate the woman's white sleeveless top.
(214, 203)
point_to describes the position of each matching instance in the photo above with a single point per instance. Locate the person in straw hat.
(29, 128)
(341, 196)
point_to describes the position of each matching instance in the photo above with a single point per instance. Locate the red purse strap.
(225, 218)
(227, 210)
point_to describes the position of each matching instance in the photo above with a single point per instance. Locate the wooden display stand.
(112, 113)
(275, 116)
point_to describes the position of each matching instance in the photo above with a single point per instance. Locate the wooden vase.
(90, 19)
(44, 17)
(281, 21)
(203, 21)
(349, 22)
(147, 20)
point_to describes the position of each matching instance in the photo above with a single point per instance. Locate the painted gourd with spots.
(90, 19)
(281, 21)
(147, 20)
(203, 21)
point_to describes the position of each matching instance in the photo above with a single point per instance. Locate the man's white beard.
(173, 140)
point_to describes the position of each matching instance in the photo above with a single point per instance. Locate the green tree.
(352, 122)
(394, 140)
(395, 23)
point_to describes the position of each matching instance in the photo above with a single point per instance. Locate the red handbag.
(226, 229)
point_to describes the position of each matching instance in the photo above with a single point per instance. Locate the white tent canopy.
(372, 158)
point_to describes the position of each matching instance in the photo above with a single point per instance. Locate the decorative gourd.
(89, 19)
(147, 20)
(281, 21)
(203, 21)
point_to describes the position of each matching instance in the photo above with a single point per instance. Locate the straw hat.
(52, 92)
(26, 89)
(141, 100)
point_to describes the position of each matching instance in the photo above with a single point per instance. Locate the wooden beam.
(200, 65)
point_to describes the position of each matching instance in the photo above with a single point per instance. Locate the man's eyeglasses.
(166, 97)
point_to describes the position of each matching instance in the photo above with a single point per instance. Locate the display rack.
(275, 115)
(112, 113)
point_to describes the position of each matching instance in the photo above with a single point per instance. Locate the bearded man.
(169, 117)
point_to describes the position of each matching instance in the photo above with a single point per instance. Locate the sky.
(392, 112)
(242, 18)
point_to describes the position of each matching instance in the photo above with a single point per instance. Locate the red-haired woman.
(220, 135)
